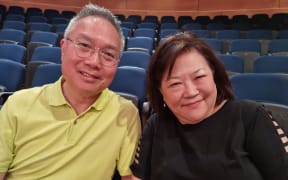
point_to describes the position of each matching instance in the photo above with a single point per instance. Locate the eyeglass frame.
(92, 50)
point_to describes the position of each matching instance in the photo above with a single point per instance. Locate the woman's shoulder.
(248, 110)
(245, 105)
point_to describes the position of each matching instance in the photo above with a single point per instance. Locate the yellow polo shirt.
(41, 136)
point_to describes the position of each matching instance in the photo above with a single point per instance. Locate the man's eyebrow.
(86, 38)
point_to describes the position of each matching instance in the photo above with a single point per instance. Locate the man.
(75, 128)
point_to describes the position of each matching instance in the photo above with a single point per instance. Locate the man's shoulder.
(125, 102)
(29, 94)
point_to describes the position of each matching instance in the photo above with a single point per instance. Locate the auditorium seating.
(259, 30)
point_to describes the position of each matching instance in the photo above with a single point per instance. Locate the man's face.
(91, 42)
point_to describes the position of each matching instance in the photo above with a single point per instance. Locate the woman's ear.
(160, 89)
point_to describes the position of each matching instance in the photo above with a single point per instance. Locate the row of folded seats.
(190, 26)
(15, 76)
(256, 20)
(217, 34)
(260, 20)
(241, 57)
(34, 19)
(55, 19)
(33, 26)
(130, 82)
(18, 24)
(26, 14)
(148, 39)
(225, 42)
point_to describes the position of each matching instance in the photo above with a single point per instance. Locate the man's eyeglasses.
(108, 57)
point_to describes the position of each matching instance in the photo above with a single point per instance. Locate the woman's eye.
(200, 76)
(174, 84)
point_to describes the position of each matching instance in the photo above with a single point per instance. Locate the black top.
(239, 142)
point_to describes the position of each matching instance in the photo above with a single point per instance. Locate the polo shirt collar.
(57, 97)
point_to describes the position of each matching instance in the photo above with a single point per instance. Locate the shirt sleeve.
(130, 141)
(141, 165)
(7, 131)
(267, 146)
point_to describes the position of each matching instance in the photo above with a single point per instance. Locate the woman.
(198, 130)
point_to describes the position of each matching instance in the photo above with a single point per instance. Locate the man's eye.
(109, 54)
(83, 45)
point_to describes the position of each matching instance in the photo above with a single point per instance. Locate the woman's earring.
(164, 105)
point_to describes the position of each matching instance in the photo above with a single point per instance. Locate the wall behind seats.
(166, 7)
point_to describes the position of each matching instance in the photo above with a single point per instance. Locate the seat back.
(15, 17)
(263, 87)
(128, 24)
(216, 26)
(216, 44)
(11, 81)
(47, 53)
(232, 63)
(204, 33)
(271, 64)
(37, 19)
(221, 19)
(59, 20)
(59, 28)
(134, 18)
(282, 34)
(247, 49)
(68, 14)
(183, 19)
(34, 11)
(279, 113)
(192, 26)
(46, 73)
(150, 25)
(171, 25)
(45, 37)
(132, 80)
(135, 58)
(10, 24)
(14, 9)
(167, 19)
(259, 34)
(50, 13)
(203, 19)
(13, 52)
(145, 32)
(14, 35)
(227, 34)
(133, 98)
(145, 44)
(39, 26)
(245, 45)
(151, 18)
(240, 19)
(278, 47)
(164, 33)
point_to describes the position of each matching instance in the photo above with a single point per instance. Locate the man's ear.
(62, 42)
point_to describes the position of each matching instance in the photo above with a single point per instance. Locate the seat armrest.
(4, 96)
(146, 112)
(3, 88)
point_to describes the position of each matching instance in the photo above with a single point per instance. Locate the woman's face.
(190, 91)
